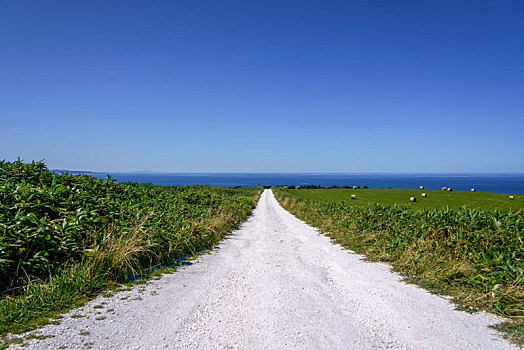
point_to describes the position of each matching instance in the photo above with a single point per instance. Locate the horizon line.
(285, 173)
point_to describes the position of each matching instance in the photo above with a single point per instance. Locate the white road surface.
(275, 283)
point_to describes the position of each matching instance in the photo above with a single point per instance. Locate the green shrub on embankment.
(65, 237)
(475, 255)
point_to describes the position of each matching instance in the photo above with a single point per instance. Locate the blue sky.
(263, 86)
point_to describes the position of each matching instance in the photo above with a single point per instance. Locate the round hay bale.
(421, 187)
(473, 190)
(353, 196)
(413, 199)
(450, 189)
(511, 197)
(354, 187)
(444, 188)
(424, 195)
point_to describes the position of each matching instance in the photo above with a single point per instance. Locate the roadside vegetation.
(475, 255)
(436, 199)
(64, 238)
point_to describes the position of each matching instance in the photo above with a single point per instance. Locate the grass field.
(436, 199)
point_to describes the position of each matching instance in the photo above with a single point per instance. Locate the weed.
(6, 342)
(513, 331)
(38, 336)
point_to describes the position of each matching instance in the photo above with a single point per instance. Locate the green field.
(436, 199)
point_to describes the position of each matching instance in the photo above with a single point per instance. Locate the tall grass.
(475, 255)
(63, 238)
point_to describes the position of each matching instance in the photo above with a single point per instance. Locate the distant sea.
(503, 183)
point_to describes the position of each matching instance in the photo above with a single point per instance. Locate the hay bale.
(353, 196)
(444, 188)
(473, 190)
(511, 197)
(413, 199)
(424, 195)
(450, 189)
(421, 187)
(297, 187)
(354, 187)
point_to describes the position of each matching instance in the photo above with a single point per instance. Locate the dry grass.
(123, 251)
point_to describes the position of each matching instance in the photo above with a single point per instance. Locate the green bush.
(47, 219)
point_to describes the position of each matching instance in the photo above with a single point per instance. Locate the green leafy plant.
(65, 237)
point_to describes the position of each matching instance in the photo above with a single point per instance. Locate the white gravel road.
(275, 283)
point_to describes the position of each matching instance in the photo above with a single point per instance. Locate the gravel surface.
(275, 283)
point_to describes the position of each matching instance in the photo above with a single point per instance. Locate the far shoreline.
(512, 183)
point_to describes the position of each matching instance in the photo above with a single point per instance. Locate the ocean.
(502, 183)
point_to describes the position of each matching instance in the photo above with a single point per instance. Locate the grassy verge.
(65, 238)
(474, 255)
(436, 199)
